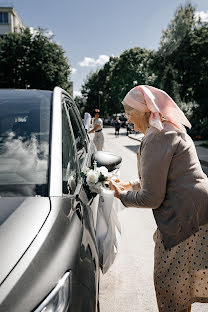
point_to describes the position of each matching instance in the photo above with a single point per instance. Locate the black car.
(49, 254)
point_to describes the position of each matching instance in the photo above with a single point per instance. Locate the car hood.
(20, 221)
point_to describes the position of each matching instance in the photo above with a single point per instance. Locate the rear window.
(24, 142)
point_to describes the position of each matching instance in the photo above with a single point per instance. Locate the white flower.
(92, 177)
(85, 170)
(103, 170)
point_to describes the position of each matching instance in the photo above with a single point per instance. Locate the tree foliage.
(97, 88)
(179, 67)
(109, 85)
(183, 56)
(130, 69)
(181, 64)
(32, 60)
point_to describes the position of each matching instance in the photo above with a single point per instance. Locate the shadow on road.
(120, 134)
(133, 148)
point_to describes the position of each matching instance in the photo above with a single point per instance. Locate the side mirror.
(109, 160)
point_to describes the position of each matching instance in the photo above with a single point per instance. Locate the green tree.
(172, 61)
(32, 60)
(133, 67)
(181, 65)
(116, 78)
(96, 88)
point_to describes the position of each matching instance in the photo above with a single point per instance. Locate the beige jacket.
(171, 182)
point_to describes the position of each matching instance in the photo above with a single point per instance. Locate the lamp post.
(99, 94)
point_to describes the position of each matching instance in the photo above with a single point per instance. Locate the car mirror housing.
(109, 160)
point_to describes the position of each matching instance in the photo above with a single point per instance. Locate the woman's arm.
(155, 161)
(94, 129)
(135, 184)
(128, 185)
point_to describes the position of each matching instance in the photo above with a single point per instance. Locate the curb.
(203, 162)
(133, 138)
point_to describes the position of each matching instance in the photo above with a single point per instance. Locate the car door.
(78, 148)
(80, 134)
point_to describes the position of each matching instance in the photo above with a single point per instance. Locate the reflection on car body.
(49, 256)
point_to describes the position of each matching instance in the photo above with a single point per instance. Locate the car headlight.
(58, 299)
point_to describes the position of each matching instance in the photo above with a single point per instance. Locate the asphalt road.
(128, 285)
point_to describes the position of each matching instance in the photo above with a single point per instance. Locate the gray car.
(48, 250)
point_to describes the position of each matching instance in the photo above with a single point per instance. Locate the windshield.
(24, 142)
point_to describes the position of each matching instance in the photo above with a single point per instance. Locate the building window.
(4, 18)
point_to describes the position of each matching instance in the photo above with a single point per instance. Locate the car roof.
(23, 92)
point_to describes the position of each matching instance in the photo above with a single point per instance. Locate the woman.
(97, 125)
(172, 183)
(117, 125)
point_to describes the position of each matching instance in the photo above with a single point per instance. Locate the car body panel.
(53, 252)
(55, 187)
(16, 234)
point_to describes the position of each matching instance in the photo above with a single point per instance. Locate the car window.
(24, 142)
(69, 162)
(84, 132)
(78, 135)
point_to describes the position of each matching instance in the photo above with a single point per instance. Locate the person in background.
(128, 128)
(117, 125)
(171, 182)
(87, 121)
(97, 127)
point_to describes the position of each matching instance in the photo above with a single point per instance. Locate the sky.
(90, 31)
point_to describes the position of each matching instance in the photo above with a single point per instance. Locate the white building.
(9, 21)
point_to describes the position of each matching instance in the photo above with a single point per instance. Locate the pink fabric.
(150, 99)
(139, 105)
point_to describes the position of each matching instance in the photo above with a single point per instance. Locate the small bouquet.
(94, 177)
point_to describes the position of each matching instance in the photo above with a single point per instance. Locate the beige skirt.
(181, 273)
(99, 140)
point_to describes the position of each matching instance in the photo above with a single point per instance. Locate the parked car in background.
(107, 121)
(49, 255)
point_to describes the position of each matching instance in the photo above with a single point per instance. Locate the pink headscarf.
(150, 99)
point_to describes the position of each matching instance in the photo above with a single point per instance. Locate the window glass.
(24, 142)
(78, 135)
(81, 122)
(69, 163)
(4, 18)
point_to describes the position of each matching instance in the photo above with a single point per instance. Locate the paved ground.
(128, 285)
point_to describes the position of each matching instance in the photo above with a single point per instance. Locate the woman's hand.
(123, 185)
(116, 188)
(126, 185)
